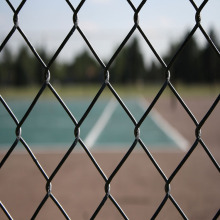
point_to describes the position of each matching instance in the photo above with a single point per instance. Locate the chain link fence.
(106, 84)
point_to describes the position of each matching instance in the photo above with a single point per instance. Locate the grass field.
(88, 90)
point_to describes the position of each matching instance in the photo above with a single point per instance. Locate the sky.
(105, 23)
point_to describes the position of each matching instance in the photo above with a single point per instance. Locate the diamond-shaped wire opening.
(127, 66)
(196, 185)
(73, 48)
(47, 126)
(90, 126)
(169, 19)
(144, 179)
(168, 105)
(150, 58)
(48, 25)
(82, 189)
(90, 123)
(84, 69)
(95, 21)
(17, 186)
(114, 135)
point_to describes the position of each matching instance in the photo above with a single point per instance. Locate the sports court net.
(106, 85)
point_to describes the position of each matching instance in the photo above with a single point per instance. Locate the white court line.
(101, 123)
(166, 127)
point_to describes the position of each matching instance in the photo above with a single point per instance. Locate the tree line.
(195, 64)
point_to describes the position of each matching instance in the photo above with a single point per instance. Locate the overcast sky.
(105, 23)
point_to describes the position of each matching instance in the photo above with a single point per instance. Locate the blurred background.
(77, 75)
(47, 23)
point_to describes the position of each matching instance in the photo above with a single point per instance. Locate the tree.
(210, 61)
(83, 69)
(186, 67)
(192, 65)
(23, 68)
(117, 70)
(6, 67)
(154, 73)
(129, 65)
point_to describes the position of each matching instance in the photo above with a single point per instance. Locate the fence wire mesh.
(106, 84)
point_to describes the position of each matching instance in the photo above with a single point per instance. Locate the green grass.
(87, 90)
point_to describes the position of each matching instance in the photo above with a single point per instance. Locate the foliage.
(129, 65)
(83, 69)
(193, 65)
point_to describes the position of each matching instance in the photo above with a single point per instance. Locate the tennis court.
(107, 127)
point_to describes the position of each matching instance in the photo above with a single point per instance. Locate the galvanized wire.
(106, 84)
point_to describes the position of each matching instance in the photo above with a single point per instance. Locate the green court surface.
(106, 127)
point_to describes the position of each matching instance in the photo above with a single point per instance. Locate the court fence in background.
(106, 83)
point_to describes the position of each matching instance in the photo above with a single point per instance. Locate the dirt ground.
(138, 187)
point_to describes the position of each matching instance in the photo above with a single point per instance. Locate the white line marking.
(101, 123)
(166, 127)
